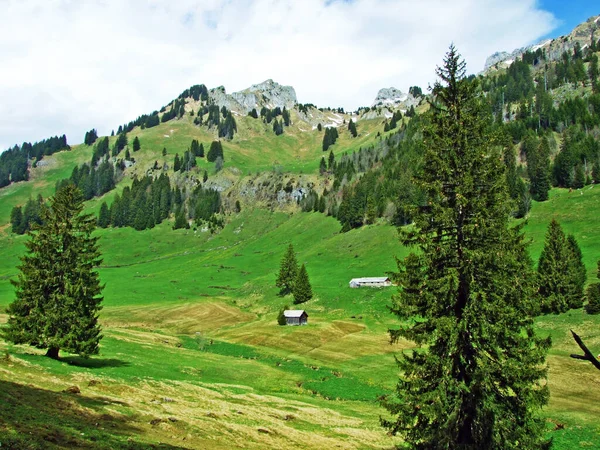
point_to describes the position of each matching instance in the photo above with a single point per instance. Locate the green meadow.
(192, 356)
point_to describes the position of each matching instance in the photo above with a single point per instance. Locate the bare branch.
(588, 356)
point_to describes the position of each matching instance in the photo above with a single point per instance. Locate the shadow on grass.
(34, 418)
(93, 363)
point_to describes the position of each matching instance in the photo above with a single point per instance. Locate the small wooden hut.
(295, 317)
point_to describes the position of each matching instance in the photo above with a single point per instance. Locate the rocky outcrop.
(494, 59)
(389, 96)
(389, 100)
(268, 94)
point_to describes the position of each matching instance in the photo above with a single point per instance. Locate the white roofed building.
(370, 282)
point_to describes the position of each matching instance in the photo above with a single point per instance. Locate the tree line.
(14, 162)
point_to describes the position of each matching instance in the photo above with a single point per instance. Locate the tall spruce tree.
(302, 289)
(561, 274)
(474, 382)
(57, 290)
(104, 216)
(288, 271)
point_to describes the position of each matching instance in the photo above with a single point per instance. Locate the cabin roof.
(294, 313)
(370, 280)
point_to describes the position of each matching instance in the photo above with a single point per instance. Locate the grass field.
(192, 356)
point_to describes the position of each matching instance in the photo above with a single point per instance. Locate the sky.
(67, 66)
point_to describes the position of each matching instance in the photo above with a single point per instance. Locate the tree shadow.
(31, 417)
(93, 363)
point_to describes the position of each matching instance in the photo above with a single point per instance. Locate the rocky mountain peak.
(394, 98)
(269, 94)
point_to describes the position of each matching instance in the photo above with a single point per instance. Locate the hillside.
(192, 356)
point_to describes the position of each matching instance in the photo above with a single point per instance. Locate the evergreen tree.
(331, 161)
(136, 144)
(205, 176)
(465, 296)
(593, 295)
(579, 178)
(322, 166)
(18, 225)
(104, 216)
(286, 117)
(164, 151)
(561, 273)
(302, 289)
(90, 137)
(540, 173)
(180, 220)
(177, 163)
(352, 128)
(215, 151)
(277, 127)
(281, 317)
(288, 272)
(57, 290)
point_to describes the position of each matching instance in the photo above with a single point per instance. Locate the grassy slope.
(254, 147)
(169, 294)
(190, 328)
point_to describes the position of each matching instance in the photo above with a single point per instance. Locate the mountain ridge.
(553, 48)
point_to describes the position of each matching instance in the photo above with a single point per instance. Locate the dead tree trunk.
(587, 355)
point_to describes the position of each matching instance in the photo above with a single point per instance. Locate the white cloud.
(69, 66)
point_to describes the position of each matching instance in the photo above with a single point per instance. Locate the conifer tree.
(302, 289)
(593, 295)
(561, 274)
(539, 173)
(18, 225)
(352, 128)
(180, 219)
(579, 178)
(331, 161)
(322, 166)
(288, 271)
(215, 151)
(286, 117)
(57, 290)
(104, 216)
(136, 144)
(465, 296)
(281, 316)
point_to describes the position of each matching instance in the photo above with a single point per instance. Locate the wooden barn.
(295, 317)
(370, 282)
